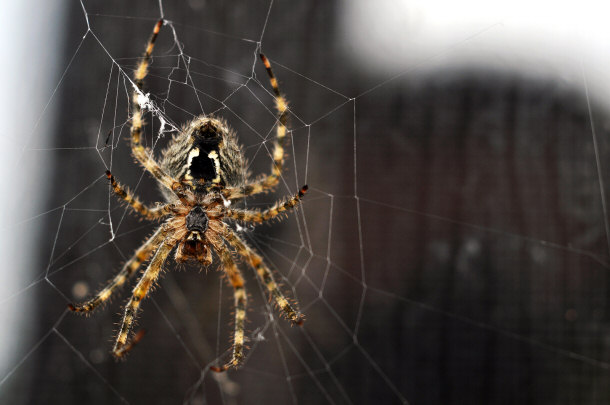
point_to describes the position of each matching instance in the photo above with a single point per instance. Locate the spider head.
(194, 245)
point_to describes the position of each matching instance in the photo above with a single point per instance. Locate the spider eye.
(197, 220)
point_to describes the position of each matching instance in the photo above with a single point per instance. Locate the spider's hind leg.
(279, 154)
(133, 201)
(141, 153)
(277, 209)
(269, 181)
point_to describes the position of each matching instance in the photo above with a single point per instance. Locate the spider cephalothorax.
(194, 222)
(200, 173)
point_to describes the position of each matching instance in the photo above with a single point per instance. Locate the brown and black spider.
(199, 175)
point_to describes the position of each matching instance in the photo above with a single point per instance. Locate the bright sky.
(556, 39)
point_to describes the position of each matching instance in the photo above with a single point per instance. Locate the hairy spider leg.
(281, 106)
(265, 275)
(122, 346)
(269, 181)
(239, 293)
(133, 201)
(258, 216)
(141, 153)
(128, 270)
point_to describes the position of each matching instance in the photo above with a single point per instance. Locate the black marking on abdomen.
(204, 167)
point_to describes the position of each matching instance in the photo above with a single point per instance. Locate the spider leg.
(270, 213)
(141, 153)
(132, 200)
(265, 275)
(239, 293)
(128, 270)
(122, 345)
(142, 69)
(271, 180)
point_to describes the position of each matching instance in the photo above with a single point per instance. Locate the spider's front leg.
(266, 276)
(122, 345)
(128, 270)
(236, 280)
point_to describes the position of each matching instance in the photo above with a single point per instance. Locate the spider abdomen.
(205, 154)
(203, 164)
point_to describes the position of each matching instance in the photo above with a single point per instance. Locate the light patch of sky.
(541, 38)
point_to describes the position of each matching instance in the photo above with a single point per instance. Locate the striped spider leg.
(269, 181)
(256, 262)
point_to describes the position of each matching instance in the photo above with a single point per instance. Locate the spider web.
(453, 247)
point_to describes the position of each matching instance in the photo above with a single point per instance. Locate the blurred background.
(454, 246)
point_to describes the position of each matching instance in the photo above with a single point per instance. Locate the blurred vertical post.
(31, 33)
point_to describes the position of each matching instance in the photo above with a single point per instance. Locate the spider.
(199, 174)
